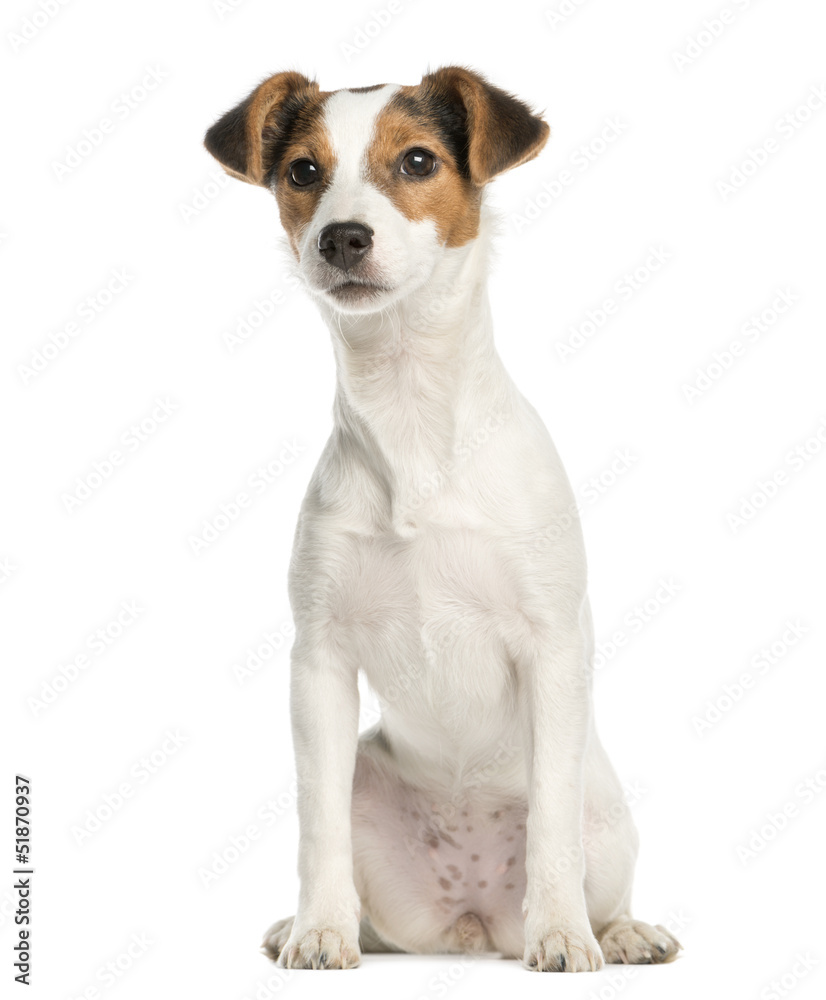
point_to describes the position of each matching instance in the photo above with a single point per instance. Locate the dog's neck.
(416, 385)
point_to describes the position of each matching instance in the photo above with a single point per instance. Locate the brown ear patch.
(448, 196)
(501, 131)
(475, 129)
(245, 140)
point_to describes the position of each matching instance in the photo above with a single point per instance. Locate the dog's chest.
(430, 619)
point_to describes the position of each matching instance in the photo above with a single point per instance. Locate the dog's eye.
(419, 163)
(303, 172)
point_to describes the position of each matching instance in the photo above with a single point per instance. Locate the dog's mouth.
(356, 291)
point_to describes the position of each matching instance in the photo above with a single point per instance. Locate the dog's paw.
(631, 942)
(321, 948)
(276, 937)
(564, 949)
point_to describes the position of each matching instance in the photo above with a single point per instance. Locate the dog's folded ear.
(244, 140)
(501, 130)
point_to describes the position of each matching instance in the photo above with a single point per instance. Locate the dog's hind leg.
(610, 840)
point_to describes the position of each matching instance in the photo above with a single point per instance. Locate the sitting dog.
(438, 550)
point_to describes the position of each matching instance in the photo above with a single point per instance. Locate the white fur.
(438, 551)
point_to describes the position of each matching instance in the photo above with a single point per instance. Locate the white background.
(198, 258)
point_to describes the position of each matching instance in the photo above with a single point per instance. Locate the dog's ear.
(501, 131)
(243, 140)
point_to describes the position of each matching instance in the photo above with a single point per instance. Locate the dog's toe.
(276, 937)
(632, 942)
(564, 949)
(325, 948)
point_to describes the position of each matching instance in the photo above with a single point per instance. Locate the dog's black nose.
(343, 244)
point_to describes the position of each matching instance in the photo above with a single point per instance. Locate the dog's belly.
(427, 861)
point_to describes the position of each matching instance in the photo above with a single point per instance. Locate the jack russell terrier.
(438, 551)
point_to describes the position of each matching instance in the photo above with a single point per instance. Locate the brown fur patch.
(307, 138)
(502, 131)
(264, 108)
(279, 122)
(239, 140)
(474, 129)
(446, 197)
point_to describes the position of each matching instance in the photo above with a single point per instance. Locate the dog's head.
(374, 185)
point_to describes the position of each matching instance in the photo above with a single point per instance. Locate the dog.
(438, 551)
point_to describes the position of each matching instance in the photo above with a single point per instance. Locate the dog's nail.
(562, 963)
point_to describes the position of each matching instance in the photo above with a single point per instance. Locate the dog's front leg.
(557, 705)
(324, 704)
